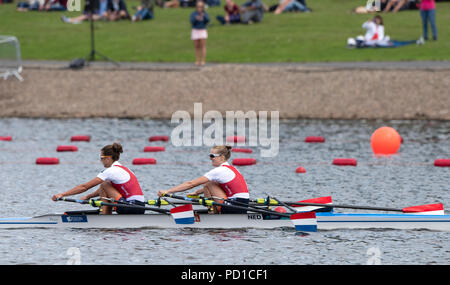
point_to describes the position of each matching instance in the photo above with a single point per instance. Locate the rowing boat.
(325, 221)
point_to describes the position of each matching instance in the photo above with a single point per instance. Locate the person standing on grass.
(428, 14)
(199, 20)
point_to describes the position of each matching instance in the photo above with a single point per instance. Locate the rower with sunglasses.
(222, 182)
(116, 182)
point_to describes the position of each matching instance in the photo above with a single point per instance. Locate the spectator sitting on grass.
(97, 14)
(253, 11)
(398, 5)
(31, 5)
(179, 3)
(117, 10)
(144, 11)
(291, 6)
(375, 36)
(232, 13)
(54, 5)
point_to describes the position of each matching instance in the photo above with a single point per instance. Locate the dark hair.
(379, 18)
(114, 150)
(224, 150)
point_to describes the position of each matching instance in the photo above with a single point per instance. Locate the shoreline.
(351, 90)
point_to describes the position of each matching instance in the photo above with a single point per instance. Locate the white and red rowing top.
(123, 180)
(230, 180)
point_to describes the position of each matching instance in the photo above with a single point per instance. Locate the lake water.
(406, 179)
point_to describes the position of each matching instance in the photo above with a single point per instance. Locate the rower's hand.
(57, 196)
(162, 192)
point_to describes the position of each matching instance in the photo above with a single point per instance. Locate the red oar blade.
(305, 221)
(429, 209)
(320, 200)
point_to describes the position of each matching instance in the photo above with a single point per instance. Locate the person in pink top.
(428, 14)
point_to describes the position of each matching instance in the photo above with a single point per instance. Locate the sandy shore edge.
(383, 90)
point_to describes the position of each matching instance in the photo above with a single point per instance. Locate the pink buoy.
(6, 138)
(158, 138)
(236, 139)
(300, 170)
(442, 162)
(63, 148)
(245, 150)
(345, 161)
(47, 160)
(80, 138)
(144, 161)
(314, 139)
(154, 148)
(243, 161)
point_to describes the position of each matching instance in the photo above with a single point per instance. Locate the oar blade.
(304, 221)
(320, 200)
(183, 215)
(429, 209)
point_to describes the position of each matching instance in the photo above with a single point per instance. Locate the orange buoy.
(243, 161)
(442, 162)
(236, 139)
(314, 139)
(80, 138)
(6, 138)
(62, 148)
(345, 161)
(300, 170)
(154, 148)
(385, 141)
(47, 160)
(158, 138)
(143, 161)
(245, 150)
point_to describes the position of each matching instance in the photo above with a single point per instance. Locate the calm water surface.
(406, 179)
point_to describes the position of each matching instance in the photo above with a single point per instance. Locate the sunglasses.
(104, 156)
(212, 155)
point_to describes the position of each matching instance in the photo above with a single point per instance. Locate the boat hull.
(325, 221)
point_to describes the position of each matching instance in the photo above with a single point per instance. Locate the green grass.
(319, 36)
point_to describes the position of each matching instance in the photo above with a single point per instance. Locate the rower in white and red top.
(222, 182)
(116, 182)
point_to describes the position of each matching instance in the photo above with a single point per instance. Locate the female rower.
(222, 182)
(116, 182)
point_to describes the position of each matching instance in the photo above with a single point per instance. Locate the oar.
(422, 209)
(207, 202)
(97, 203)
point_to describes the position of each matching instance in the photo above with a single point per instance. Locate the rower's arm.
(84, 187)
(188, 185)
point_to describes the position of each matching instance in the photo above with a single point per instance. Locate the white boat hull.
(325, 221)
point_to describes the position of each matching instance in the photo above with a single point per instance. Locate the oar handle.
(213, 203)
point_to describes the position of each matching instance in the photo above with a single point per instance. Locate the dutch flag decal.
(183, 215)
(305, 221)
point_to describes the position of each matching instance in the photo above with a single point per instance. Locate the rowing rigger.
(185, 217)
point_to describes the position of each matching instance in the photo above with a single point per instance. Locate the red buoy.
(345, 161)
(143, 161)
(6, 138)
(158, 138)
(245, 150)
(314, 139)
(243, 161)
(236, 139)
(154, 148)
(47, 160)
(80, 138)
(62, 148)
(442, 162)
(300, 170)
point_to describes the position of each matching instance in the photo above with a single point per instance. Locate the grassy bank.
(294, 37)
